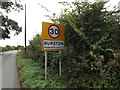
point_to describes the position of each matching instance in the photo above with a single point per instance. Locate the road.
(9, 70)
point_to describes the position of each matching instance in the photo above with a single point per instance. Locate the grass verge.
(32, 75)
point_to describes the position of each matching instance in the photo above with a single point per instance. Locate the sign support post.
(45, 65)
(59, 64)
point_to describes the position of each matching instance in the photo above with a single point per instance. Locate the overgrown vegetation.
(91, 58)
(7, 24)
(32, 75)
(10, 48)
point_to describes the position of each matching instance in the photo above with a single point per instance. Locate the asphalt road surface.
(9, 70)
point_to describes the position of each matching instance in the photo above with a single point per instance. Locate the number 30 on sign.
(54, 31)
(53, 38)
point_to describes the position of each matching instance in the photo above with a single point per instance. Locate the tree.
(19, 47)
(34, 49)
(91, 26)
(8, 25)
(92, 40)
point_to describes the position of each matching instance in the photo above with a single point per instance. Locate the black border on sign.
(58, 29)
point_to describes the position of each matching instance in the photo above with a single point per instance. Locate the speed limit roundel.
(54, 31)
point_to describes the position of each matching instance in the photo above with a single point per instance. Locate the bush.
(32, 75)
(91, 57)
(92, 43)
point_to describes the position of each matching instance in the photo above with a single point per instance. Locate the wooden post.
(45, 65)
(25, 28)
(59, 64)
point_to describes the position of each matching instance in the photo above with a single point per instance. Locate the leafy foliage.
(34, 52)
(9, 6)
(92, 41)
(8, 25)
(9, 48)
(91, 58)
(35, 47)
(32, 75)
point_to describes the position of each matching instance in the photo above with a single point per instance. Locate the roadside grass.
(32, 75)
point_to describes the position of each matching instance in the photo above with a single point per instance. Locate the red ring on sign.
(58, 29)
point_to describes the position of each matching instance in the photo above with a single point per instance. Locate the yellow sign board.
(53, 38)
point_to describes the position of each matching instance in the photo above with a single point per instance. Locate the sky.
(35, 16)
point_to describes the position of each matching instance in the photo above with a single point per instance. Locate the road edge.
(18, 75)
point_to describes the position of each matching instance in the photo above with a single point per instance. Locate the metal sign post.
(59, 64)
(45, 65)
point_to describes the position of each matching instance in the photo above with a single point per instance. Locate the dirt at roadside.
(17, 77)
